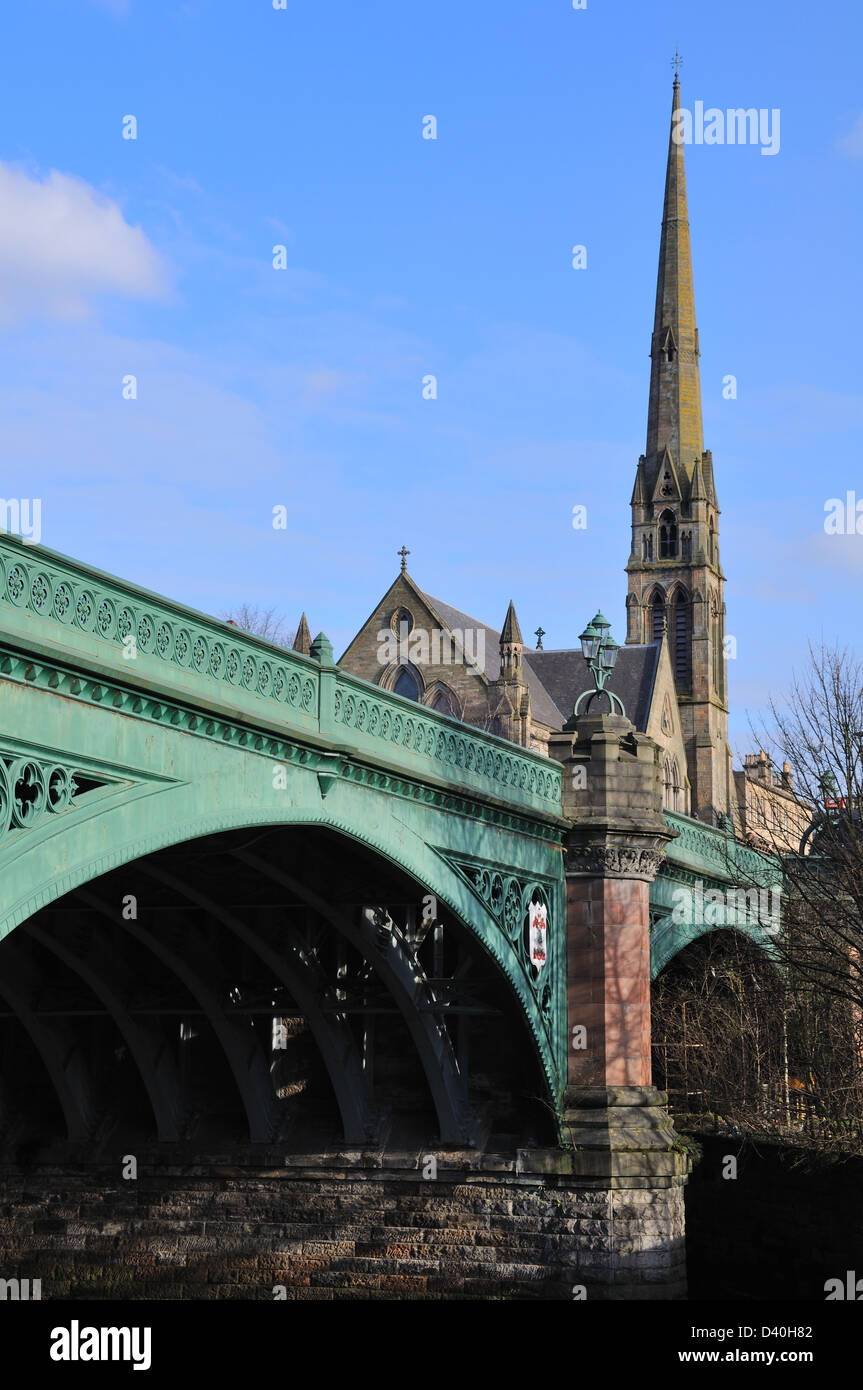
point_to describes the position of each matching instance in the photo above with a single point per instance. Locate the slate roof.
(542, 705)
(564, 675)
(556, 678)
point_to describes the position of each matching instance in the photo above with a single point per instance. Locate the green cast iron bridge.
(242, 888)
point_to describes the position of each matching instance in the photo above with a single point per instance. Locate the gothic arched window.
(405, 684)
(667, 536)
(667, 721)
(667, 786)
(444, 701)
(401, 622)
(718, 653)
(681, 628)
(675, 783)
(657, 616)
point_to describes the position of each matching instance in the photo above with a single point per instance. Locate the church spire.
(676, 584)
(674, 411)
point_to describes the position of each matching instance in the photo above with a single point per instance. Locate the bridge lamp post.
(599, 650)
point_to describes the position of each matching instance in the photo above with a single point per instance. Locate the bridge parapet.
(55, 608)
(715, 854)
(416, 737)
(710, 881)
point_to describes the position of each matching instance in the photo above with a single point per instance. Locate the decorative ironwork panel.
(538, 967)
(33, 790)
(452, 750)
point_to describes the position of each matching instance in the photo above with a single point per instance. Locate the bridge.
(247, 897)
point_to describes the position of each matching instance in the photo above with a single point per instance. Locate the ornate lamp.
(589, 640)
(599, 650)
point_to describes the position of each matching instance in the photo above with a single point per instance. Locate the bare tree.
(818, 729)
(717, 1049)
(736, 1043)
(266, 623)
(785, 1051)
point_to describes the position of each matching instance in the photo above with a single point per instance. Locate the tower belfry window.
(667, 536)
(657, 617)
(681, 642)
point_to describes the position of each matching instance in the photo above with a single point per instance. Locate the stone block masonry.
(488, 1227)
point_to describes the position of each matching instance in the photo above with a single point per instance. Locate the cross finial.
(676, 63)
(404, 554)
(539, 634)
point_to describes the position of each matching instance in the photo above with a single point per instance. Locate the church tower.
(676, 584)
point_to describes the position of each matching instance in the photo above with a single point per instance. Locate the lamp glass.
(608, 653)
(589, 640)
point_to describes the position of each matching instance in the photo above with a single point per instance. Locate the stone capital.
(611, 861)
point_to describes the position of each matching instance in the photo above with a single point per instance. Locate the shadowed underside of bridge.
(279, 986)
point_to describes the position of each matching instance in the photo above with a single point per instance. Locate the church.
(670, 675)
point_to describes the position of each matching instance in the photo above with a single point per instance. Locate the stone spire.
(511, 630)
(676, 584)
(303, 639)
(511, 645)
(511, 707)
(674, 410)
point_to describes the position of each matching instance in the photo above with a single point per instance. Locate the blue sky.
(256, 387)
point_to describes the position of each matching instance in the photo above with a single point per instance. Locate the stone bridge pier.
(623, 1142)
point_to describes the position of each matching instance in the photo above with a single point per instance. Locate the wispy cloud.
(836, 552)
(120, 9)
(184, 181)
(851, 144)
(62, 244)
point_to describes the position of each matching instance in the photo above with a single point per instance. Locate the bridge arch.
(669, 937)
(135, 725)
(384, 842)
(719, 1039)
